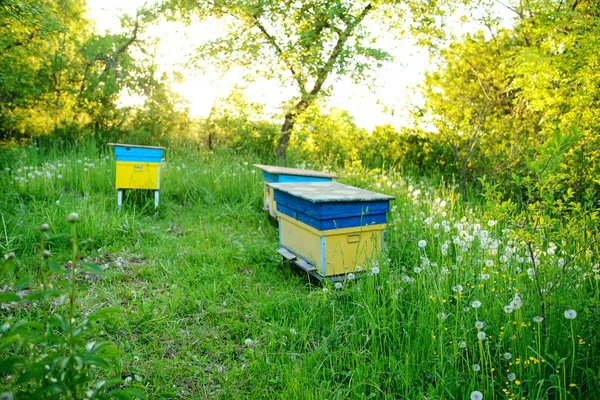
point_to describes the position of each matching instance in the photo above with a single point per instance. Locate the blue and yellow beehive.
(333, 229)
(274, 174)
(138, 167)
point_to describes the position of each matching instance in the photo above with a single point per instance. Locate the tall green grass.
(210, 311)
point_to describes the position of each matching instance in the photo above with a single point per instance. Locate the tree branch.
(21, 42)
(337, 50)
(297, 77)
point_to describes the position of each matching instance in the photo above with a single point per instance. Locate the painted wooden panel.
(137, 175)
(332, 252)
(128, 152)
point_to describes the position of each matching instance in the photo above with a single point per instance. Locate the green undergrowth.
(207, 308)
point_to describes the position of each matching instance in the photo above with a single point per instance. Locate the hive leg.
(156, 199)
(119, 198)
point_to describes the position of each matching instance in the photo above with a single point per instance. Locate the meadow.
(469, 299)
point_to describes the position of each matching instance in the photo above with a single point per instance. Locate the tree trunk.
(284, 139)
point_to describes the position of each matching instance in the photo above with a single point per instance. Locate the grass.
(208, 310)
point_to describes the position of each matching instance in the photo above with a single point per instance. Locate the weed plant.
(468, 300)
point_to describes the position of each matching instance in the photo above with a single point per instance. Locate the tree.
(500, 95)
(58, 76)
(305, 43)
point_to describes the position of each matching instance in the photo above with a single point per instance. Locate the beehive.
(137, 167)
(274, 174)
(333, 229)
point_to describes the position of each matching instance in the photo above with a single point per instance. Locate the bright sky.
(386, 101)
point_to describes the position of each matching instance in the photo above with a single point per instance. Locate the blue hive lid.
(329, 192)
(275, 170)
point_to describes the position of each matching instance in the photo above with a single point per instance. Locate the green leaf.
(43, 295)
(23, 283)
(57, 268)
(9, 297)
(127, 393)
(91, 268)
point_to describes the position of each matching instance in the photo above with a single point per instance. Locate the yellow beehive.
(137, 167)
(332, 229)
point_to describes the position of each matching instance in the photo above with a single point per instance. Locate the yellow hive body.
(331, 252)
(138, 175)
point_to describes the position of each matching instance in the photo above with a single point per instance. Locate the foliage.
(58, 77)
(55, 357)
(304, 44)
(500, 95)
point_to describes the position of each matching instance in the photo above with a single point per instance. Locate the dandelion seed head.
(512, 376)
(507, 356)
(73, 217)
(338, 285)
(479, 325)
(538, 319)
(248, 342)
(462, 344)
(570, 314)
(458, 288)
(422, 244)
(476, 367)
(476, 395)
(476, 304)
(481, 335)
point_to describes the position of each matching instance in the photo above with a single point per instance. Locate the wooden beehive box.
(330, 227)
(274, 174)
(137, 167)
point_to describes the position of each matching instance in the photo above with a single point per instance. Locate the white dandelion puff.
(570, 314)
(476, 395)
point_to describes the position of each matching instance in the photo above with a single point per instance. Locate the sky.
(386, 100)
